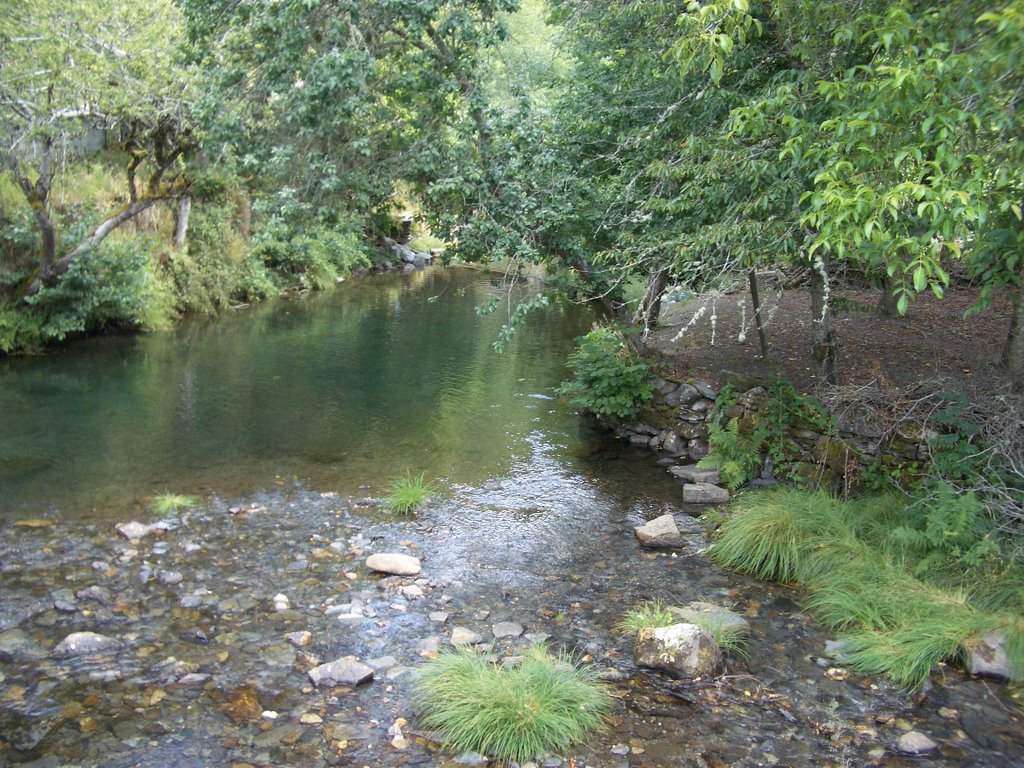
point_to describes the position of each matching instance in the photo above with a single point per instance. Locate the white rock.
(394, 563)
(83, 643)
(465, 636)
(915, 743)
(133, 530)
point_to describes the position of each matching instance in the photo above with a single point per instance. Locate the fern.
(735, 454)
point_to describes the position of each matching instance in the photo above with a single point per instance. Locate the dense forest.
(169, 157)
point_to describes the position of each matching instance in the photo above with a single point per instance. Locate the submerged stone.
(344, 671)
(83, 643)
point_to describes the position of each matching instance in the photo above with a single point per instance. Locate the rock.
(438, 616)
(915, 743)
(691, 473)
(83, 643)
(706, 390)
(135, 530)
(170, 578)
(382, 662)
(465, 636)
(687, 394)
(697, 449)
(96, 593)
(700, 611)
(310, 718)
(989, 658)
(394, 563)
(507, 629)
(674, 444)
(702, 406)
(704, 493)
(429, 646)
(471, 758)
(344, 671)
(660, 532)
(684, 650)
(299, 639)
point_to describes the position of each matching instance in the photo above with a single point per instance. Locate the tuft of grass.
(730, 637)
(773, 535)
(861, 581)
(169, 503)
(650, 614)
(545, 705)
(407, 494)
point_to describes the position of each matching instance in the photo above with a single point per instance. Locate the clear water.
(342, 391)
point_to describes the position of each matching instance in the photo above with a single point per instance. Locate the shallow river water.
(288, 420)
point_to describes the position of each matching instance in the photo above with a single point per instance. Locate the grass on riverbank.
(545, 705)
(169, 503)
(862, 582)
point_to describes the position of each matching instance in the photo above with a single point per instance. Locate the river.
(288, 420)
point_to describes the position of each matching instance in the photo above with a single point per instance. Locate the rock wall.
(859, 434)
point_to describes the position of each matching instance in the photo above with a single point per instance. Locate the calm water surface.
(385, 375)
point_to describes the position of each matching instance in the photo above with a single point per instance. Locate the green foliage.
(314, 257)
(611, 379)
(169, 503)
(852, 557)
(103, 289)
(735, 452)
(773, 535)
(545, 705)
(407, 493)
(649, 614)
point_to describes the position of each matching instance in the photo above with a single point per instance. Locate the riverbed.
(289, 423)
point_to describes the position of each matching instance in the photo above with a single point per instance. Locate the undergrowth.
(543, 706)
(866, 580)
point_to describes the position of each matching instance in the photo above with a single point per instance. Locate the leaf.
(920, 279)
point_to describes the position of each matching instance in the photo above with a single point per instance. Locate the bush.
(545, 705)
(407, 493)
(611, 379)
(314, 257)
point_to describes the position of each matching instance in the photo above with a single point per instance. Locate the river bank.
(207, 668)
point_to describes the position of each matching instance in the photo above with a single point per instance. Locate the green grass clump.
(649, 614)
(774, 535)
(863, 581)
(407, 493)
(169, 503)
(730, 637)
(545, 705)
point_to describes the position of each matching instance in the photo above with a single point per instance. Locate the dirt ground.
(934, 341)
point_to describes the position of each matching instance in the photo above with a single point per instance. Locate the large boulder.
(661, 532)
(704, 493)
(691, 473)
(683, 650)
(393, 563)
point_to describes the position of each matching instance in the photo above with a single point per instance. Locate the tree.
(68, 66)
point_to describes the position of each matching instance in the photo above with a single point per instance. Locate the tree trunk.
(61, 265)
(823, 340)
(1013, 352)
(755, 299)
(181, 226)
(887, 303)
(646, 315)
(244, 216)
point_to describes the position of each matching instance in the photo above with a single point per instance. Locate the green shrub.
(545, 705)
(734, 453)
(407, 494)
(611, 379)
(313, 257)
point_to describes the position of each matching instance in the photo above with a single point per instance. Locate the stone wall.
(861, 434)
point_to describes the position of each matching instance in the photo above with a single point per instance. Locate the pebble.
(299, 639)
(507, 629)
(438, 616)
(465, 636)
(915, 743)
(84, 643)
(311, 718)
(344, 671)
(394, 563)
